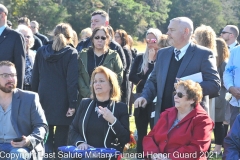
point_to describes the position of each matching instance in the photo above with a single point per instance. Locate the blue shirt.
(2, 29)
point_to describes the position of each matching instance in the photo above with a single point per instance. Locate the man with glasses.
(101, 18)
(184, 58)
(230, 34)
(22, 120)
(12, 46)
(34, 25)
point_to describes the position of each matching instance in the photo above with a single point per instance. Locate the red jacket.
(189, 139)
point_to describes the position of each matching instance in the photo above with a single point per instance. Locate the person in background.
(85, 33)
(30, 55)
(121, 37)
(164, 41)
(97, 55)
(133, 50)
(184, 129)
(230, 34)
(34, 25)
(54, 78)
(100, 18)
(37, 41)
(12, 48)
(102, 114)
(75, 39)
(141, 69)
(9, 23)
(220, 101)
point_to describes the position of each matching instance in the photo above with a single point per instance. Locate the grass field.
(141, 48)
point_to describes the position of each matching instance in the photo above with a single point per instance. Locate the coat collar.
(4, 34)
(15, 110)
(172, 114)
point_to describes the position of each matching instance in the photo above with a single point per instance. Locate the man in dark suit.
(101, 18)
(184, 58)
(35, 29)
(12, 46)
(21, 117)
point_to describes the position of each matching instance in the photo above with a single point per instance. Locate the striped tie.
(177, 52)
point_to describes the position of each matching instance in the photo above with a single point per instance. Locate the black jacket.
(55, 79)
(43, 38)
(113, 46)
(121, 127)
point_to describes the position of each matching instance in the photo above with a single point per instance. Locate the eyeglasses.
(6, 75)
(223, 32)
(27, 37)
(102, 38)
(179, 94)
(33, 27)
(151, 40)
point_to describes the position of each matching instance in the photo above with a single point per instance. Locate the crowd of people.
(80, 92)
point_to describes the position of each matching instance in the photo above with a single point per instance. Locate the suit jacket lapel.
(15, 110)
(4, 34)
(186, 59)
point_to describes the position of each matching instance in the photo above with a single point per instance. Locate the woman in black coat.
(102, 121)
(55, 79)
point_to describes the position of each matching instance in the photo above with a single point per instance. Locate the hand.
(151, 54)
(140, 102)
(107, 114)
(24, 143)
(235, 91)
(70, 112)
(83, 146)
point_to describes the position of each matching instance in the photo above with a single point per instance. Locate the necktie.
(177, 52)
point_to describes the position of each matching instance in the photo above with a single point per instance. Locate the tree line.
(134, 16)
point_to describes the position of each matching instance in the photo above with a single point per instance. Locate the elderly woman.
(102, 114)
(30, 55)
(183, 130)
(97, 55)
(55, 80)
(142, 67)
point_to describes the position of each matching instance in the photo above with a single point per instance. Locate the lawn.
(141, 48)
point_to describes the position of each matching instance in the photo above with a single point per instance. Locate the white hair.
(25, 28)
(185, 22)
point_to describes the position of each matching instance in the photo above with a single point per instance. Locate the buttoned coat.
(12, 48)
(196, 59)
(191, 135)
(28, 119)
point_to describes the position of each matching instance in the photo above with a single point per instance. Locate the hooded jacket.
(54, 78)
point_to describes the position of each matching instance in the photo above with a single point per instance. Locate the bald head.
(184, 22)
(234, 30)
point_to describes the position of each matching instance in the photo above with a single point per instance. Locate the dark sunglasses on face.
(179, 94)
(151, 40)
(102, 38)
(223, 32)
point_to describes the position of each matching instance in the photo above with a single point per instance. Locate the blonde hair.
(157, 33)
(115, 93)
(75, 39)
(163, 41)
(86, 31)
(62, 36)
(193, 90)
(206, 36)
(25, 28)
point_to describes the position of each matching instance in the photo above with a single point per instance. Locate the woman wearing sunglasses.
(98, 54)
(141, 68)
(183, 131)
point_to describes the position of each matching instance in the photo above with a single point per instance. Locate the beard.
(8, 89)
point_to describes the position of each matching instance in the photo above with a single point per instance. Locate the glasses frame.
(179, 94)
(223, 32)
(102, 38)
(6, 75)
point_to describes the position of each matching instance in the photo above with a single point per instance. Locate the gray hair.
(3, 9)
(185, 22)
(25, 28)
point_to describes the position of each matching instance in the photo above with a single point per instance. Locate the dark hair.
(124, 37)
(24, 20)
(6, 63)
(110, 31)
(9, 23)
(104, 29)
(102, 13)
(222, 51)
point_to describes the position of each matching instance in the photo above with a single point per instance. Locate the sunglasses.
(223, 32)
(102, 38)
(179, 94)
(151, 40)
